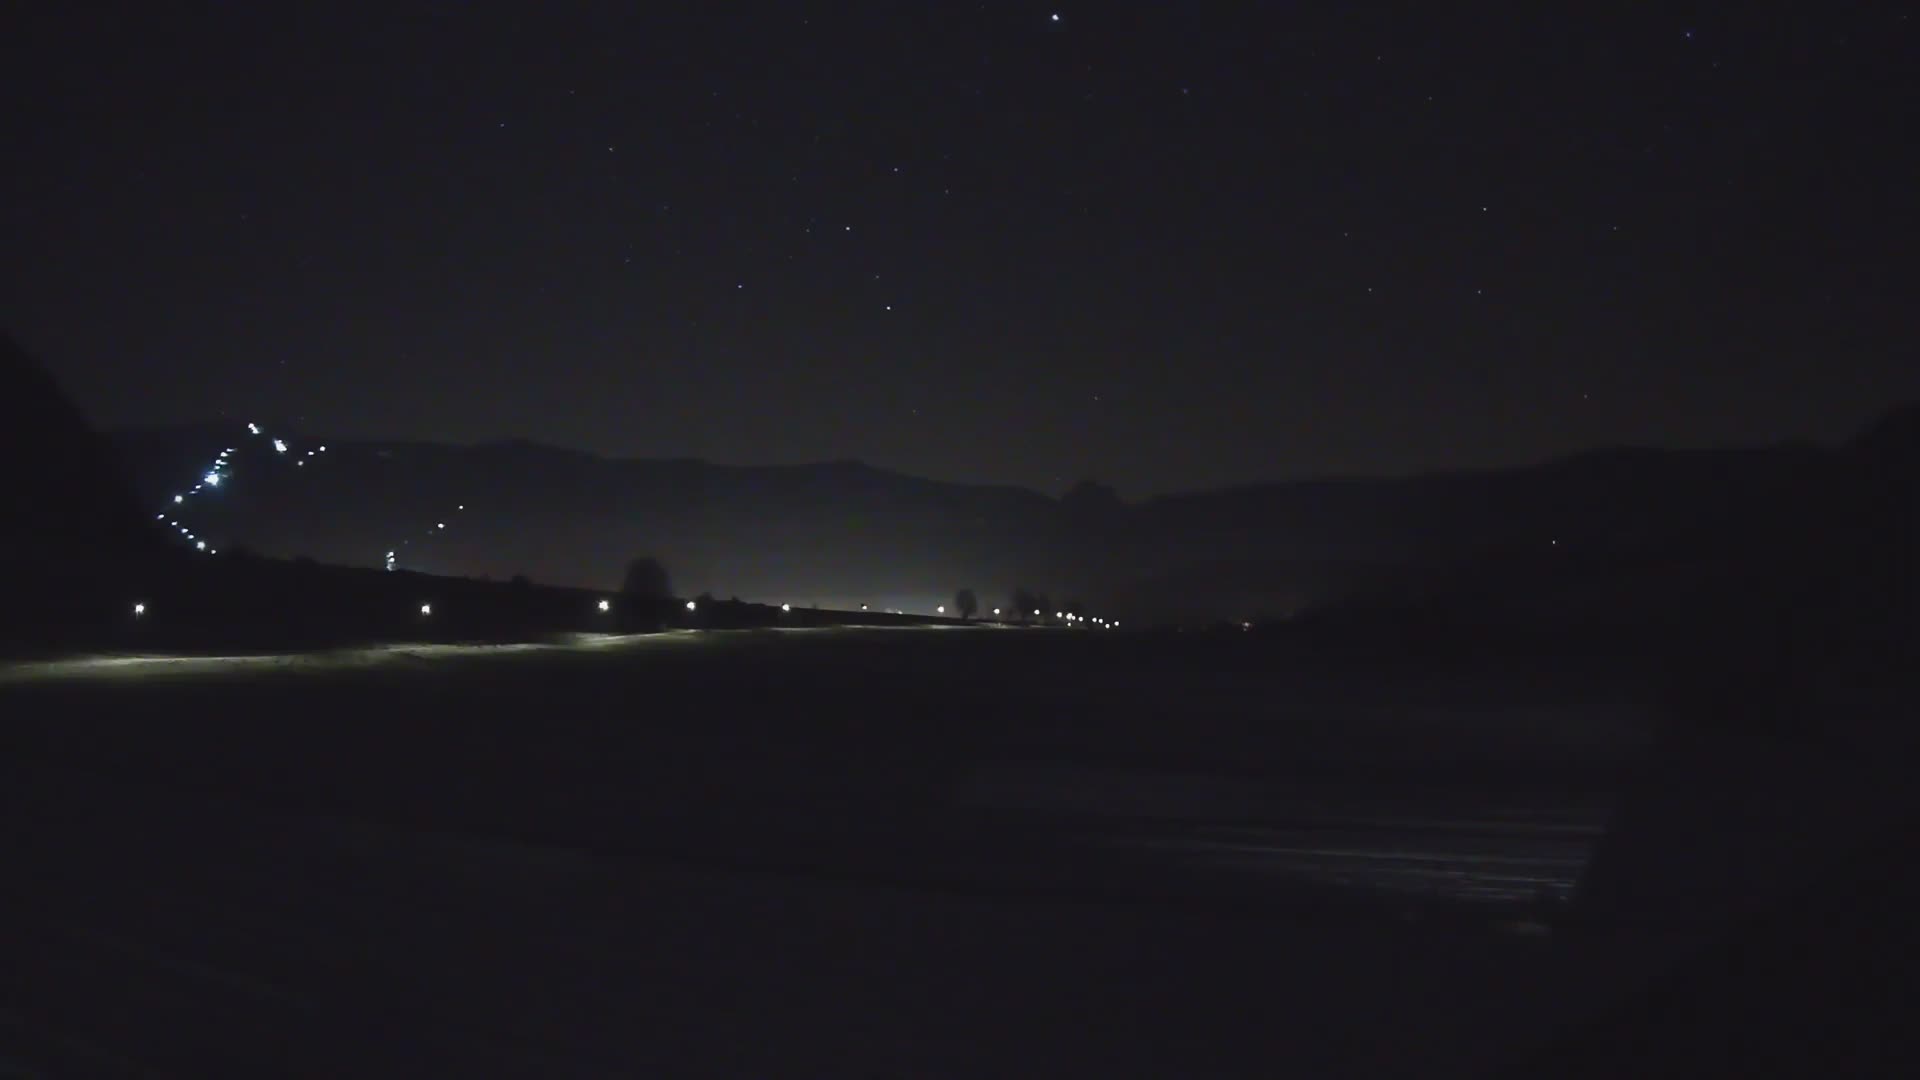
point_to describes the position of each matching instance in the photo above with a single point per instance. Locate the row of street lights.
(605, 605)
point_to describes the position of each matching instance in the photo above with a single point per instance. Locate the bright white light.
(442, 525)
(941, 610)
(606, 605)
(426, 609)
(1053, 18)
(691, 605)
(279, 447)
(253, 428)
(200, 545)
(863, 607)
(323, 449)
(1036, 613)
(996, 611)
(462, 506)
(212, 479)
(1055, 614)
(178, 499)
(786, 607)
(139, 610)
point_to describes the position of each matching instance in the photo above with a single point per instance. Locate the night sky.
(1167, 246)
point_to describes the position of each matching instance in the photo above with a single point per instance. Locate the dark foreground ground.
(913, 852)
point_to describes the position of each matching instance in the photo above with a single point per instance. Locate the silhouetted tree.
(1024, 605)
(966, 603)
(646, 578)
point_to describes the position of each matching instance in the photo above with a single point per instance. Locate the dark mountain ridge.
(842, 533)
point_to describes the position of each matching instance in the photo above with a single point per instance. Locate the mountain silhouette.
(842, 533)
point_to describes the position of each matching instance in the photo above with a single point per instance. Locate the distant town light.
(279, 447)
(1055, 614)
(200, 545)
(253, 428)
(212, 479)
(1036, 613)
(606, 605)
(786, 607)
(139, 609)
(996, 612)
(179, 499)
(426, 609)
(941, 610)
(691, 605)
